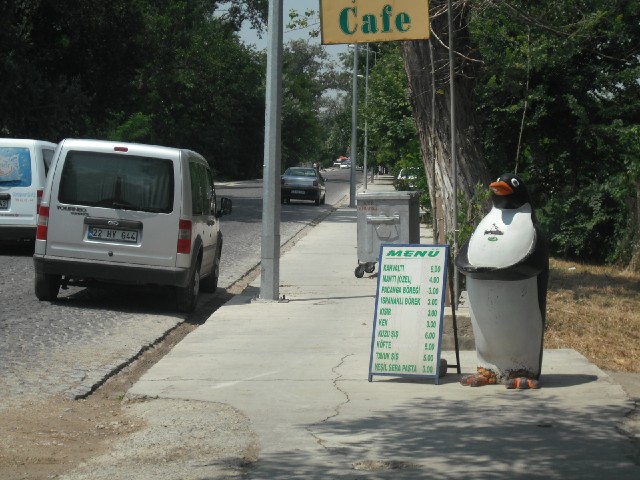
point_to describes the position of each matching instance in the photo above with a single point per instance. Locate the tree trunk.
(430, 98)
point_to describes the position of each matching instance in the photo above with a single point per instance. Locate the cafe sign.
(361, 21)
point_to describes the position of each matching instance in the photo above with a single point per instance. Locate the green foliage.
(575, 67)
(162, 71)
(136, 128)
(64, 64)
(471, 212)
(585, 224)
(304, 83)
(393, 140)
(203, 88)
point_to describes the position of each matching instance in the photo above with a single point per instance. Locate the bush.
(585, 225)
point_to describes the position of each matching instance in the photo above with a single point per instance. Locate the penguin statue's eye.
(515, 182)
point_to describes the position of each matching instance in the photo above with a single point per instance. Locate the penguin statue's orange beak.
(501, 188)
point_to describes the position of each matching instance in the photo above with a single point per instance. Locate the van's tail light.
(39, 193)
(43, 222)
(184, 236)
(315, 183)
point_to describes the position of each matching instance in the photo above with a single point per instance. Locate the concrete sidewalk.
(296, 374)
(298, 371)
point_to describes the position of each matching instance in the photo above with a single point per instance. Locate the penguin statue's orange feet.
(480, 379)
(522, 383)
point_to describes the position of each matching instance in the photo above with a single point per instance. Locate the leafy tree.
(304, 82)
(548, 88)
(201, 88)
(64, 64)
(565, 75)
(393, 139)
(166, 71)
(253, 11)
(427, 66)
(335, 123)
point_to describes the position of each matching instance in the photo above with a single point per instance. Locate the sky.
(251, 38)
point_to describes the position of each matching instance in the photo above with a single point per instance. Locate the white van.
(128, 213)
(23, 172)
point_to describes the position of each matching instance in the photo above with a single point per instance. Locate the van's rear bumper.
(96, 270)
(17, 234)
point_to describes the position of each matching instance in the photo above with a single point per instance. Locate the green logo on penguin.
(492, 239)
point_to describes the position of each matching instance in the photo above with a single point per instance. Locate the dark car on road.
(302, 183)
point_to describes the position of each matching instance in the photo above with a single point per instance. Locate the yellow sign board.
(361, 21)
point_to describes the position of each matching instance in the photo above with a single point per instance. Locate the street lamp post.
(354, 126)
(454, 164)
(366, 116)
(366, 122)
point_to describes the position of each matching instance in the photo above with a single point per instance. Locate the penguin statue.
(506, 265)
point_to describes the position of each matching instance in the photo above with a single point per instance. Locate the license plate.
(112, 235)
(4, 204)
(298, 192)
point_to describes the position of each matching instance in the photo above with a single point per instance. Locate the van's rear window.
(15, 167)
(117, 181)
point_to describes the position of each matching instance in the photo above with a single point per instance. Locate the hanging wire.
(526, 99)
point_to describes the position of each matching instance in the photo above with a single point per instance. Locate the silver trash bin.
(385, 217)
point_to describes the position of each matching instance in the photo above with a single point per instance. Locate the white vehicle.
(128, 213)
(23, 172)
(409, 176)
(345, 165)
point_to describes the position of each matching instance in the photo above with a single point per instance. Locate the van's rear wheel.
(187, 297)
(210, 283)
(47, 286)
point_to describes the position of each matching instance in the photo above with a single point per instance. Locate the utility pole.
(366, 126)
(270, 264)
(454, 164)
(354, 129)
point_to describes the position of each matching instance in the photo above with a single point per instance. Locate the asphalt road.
(71, 346)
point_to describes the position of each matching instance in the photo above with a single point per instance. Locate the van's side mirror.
(225, 206)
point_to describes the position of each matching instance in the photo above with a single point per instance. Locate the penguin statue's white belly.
(505, 314)
(503, 238)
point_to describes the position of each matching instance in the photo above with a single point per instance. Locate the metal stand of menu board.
(453, 318)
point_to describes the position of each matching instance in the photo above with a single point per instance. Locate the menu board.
(407, 330)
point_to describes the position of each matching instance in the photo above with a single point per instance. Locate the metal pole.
(375, 62)
(270, 265)
(354, 129)
(454, 165)
(366, 116)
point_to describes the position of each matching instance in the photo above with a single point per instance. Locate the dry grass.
(596, 311)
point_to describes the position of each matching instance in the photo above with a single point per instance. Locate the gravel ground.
(181, 439)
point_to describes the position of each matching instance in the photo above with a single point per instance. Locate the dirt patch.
(43, 438)
(596, 311)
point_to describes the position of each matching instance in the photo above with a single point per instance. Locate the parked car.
(345, 165)
(302, 183)
(23, 171)
(408, 177)
(128, 213)
(340, 160)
